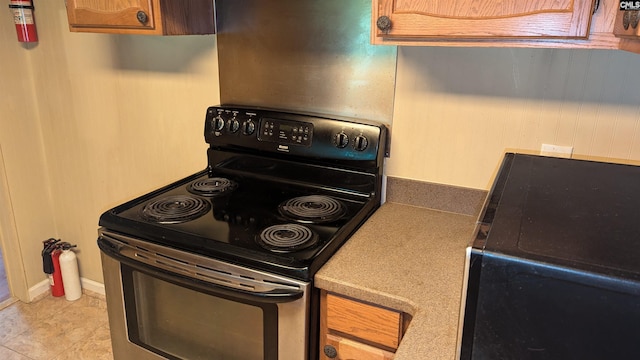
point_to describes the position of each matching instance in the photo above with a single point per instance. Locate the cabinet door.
(352, 350)
(353, 330)
(131, 14)
(363, 321)
(627, 24)
(480, 19)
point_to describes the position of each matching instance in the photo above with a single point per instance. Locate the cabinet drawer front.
(349, 349)
(367, 322)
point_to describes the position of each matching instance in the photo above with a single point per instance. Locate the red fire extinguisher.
(24, 20)
(51, 265)
(57, 288)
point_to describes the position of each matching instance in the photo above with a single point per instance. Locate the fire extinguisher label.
(23, 16)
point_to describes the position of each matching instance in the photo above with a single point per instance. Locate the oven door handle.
(276, 295)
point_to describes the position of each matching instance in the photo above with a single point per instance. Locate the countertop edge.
(372, 266)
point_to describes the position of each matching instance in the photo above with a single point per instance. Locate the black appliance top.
(281, 192)
(570, 213)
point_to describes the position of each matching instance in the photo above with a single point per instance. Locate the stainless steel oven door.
(169, 304)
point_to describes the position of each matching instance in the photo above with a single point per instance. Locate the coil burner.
(285, 238)
(312, 209)
(175, 209)
(214, 186)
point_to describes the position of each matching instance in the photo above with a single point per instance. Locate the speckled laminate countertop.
(411, 259)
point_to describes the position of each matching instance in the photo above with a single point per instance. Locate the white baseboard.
(41, 289)
(38, 290)
(93, 286)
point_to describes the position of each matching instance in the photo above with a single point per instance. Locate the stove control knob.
(210, 124)
(360, 143)
(233, 125)
(248, 127)
(341, 139)
(218, 123)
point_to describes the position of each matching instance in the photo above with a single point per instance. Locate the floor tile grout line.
(59, 353)
(17, 352)
(71, 346)
(66, 306)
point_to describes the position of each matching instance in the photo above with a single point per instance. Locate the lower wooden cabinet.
(355, 330)
(351, 349)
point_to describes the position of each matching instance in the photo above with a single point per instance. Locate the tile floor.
(53, 328)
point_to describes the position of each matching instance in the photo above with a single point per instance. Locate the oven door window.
(179, 321)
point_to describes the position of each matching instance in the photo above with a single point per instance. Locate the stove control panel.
(292, 133)
(285, 131)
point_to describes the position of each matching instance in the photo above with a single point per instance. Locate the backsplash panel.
(304, 55)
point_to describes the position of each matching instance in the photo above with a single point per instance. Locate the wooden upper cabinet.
(628, 23)
(153, 17)
(480, 19)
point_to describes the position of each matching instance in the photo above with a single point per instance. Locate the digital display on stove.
(286, 131)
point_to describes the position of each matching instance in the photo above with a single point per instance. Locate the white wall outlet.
(556, 151)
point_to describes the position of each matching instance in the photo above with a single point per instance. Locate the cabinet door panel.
(483, 19)
(353, 350)
(367, 322)
(105, 13)
(481, 9)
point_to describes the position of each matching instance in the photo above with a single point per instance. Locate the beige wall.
(457, 110)
(109, 117)
(26, 204)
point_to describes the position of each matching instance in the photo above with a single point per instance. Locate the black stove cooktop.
(281, 227)
(284, 209)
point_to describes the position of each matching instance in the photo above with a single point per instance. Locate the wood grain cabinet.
(355, 330)
(628, 20)
(577, 24)
(481, 19)
(153, 17)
